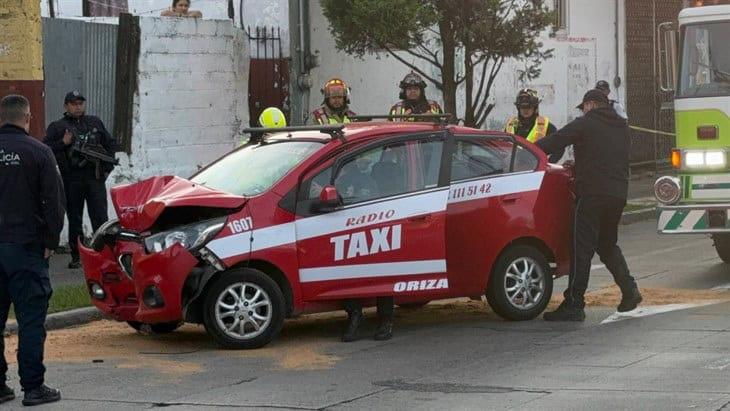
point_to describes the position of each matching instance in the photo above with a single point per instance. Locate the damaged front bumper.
(128, 284)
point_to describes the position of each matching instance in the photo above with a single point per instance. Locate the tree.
(483, 33)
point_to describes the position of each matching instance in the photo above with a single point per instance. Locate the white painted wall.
(191, 101)
(583, 55)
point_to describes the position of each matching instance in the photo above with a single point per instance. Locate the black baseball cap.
(73, 96)
(603, 85)
(593, 95)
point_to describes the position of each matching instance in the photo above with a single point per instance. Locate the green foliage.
(488, 32)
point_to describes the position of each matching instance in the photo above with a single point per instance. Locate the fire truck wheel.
(244, 309)
(521, 284)
(722, 245)
(160, 328)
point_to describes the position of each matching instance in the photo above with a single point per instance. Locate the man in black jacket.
(84, 180)
(602, 143)
(31, 219)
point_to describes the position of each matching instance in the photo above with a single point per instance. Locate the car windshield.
(705, 61)
(254, 169)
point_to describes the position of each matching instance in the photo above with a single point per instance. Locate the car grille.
(125, 262)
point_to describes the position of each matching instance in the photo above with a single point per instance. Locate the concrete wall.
(191, 101)
(583, 54)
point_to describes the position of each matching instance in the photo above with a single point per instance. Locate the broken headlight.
(192, 237)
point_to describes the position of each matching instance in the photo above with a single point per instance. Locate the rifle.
(93, 153)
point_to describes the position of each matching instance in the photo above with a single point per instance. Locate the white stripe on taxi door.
(346, 272)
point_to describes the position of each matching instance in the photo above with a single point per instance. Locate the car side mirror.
(329, 199)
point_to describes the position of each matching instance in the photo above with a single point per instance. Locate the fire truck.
(695, 64)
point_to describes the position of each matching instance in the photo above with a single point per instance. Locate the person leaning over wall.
(181, 8)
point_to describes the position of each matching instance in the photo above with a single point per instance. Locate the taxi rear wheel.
(244, 309)
(521, 284)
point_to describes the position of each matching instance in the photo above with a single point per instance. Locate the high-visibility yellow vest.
(539, 130)
(322, 117)
(400, 109)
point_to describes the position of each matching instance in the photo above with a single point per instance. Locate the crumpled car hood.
(138, 205)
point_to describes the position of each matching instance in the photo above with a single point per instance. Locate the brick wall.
(192, 96)
(644, 99)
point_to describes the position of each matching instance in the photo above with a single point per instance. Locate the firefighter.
(271, 117)
(528, 123)
(602, 141)
(413, 98)
(335, 107)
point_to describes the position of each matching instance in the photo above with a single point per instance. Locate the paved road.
(443, 356)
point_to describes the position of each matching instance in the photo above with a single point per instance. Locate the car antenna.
(335, 131)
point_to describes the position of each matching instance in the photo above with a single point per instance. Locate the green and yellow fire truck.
(696, 64)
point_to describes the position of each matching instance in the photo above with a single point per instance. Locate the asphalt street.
(444, 356)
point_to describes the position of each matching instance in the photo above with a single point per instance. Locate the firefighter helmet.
(335, 88)
(272, 117)
(527, 98)
(412, 79)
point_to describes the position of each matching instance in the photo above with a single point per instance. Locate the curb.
(63, 319)
(631, 217)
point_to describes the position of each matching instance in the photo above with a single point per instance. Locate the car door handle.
(511, 198)
(424, 218)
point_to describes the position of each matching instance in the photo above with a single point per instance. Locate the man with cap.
(602, 143)
(606, 89)
(31, 220)
(335, 108)
(84, 180)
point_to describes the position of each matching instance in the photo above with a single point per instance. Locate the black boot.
(385, 330)
(6, 393)
(75, 263)
(41, 395)
(630, 299)
(355, 318)
(565, 312)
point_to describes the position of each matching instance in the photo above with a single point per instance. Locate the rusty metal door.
(268, 83)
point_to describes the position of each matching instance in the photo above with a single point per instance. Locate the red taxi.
(305, 219)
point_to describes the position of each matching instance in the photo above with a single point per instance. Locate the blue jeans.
(24, 282)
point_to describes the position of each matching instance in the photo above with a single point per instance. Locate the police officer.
(413, 98)
(606, 89)
(31, 220)
(335, 107)
(84, 180)
(602, 143)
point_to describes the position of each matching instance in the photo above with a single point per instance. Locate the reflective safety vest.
(399, 109)
(539, 130)
(322, 117)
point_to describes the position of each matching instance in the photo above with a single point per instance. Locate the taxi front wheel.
(521, 284)
(244, 309)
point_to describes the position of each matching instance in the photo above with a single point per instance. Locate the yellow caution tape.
(648, 130)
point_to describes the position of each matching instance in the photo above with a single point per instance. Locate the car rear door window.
(482, 156)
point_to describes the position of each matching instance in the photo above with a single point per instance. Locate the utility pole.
(302, 61)
(51, 8)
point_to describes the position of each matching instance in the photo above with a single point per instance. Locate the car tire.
(722, 246)
(222, 309)
(413, 306)
(159, 328)
(519, 269)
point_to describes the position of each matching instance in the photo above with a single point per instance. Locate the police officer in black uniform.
(84, 180)
(31, 219)
(602, 143)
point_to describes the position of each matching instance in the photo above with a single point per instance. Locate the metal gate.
(268, 83)
(79, 55)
